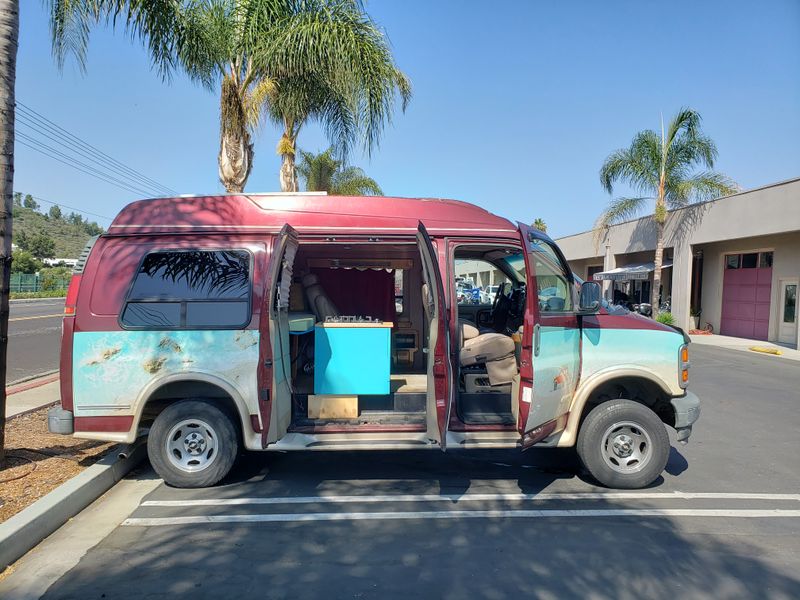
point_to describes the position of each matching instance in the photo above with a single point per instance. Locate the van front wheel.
(623, 444)
(192, 444)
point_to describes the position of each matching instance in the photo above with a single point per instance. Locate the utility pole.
(9, 40)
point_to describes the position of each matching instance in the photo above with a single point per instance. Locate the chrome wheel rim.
(626, 447)
(192, 445)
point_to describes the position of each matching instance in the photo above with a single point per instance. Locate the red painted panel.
(104, 424)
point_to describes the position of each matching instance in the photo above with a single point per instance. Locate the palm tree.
(540, 225)
(322, 60)
(324, 173)
(661, 169)
(9, 37)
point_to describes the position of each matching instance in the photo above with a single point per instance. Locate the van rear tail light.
(72, 296)
(683, 365)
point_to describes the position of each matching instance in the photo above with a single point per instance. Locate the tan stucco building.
(735, 260)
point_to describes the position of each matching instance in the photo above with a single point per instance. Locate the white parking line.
(460, 514)
(472, 498)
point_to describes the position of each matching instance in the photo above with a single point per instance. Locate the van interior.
(354, 343)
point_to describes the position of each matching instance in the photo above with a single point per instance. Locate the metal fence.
(23, 282)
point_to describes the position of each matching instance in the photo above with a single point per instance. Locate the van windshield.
(516, 264)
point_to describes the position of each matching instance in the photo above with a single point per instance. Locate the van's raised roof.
(307, 212)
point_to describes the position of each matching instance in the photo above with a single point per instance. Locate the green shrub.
(55, 278)
(666, 318)
(42, 294)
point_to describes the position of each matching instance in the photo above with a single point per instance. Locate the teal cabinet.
(352, 358)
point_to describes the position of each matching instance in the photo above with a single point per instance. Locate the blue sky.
(516, 104)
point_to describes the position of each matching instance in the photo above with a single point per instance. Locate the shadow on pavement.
(474, 558)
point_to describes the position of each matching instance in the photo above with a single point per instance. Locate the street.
(34, 333)
(723, 522)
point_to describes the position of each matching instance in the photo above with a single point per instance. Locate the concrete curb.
(26, 300)
(26, 529)
(29, 383)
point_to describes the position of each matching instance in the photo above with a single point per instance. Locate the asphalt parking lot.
(723, 522)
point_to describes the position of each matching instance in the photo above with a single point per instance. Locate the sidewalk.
(734, 343)
(22, 398)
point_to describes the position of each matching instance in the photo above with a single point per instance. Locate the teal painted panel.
(111, 368)
(352, 360)
(653, 350)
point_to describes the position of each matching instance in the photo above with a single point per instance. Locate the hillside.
(70, 234)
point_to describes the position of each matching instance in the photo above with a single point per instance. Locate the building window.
(765, 261)
(750, 261)
(732, 261)
(195, 289)
(790, 304)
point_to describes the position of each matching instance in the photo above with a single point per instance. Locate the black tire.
(198, 422)
(629, 427)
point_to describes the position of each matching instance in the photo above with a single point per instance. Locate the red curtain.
(367, 293)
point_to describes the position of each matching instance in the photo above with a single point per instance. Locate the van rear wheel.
(192, 444)
(623, 444)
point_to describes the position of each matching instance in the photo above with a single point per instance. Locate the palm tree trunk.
(288, 173)
(287, 150)
(657, 262)
(9, 36)
(235, 149)
(235, 160)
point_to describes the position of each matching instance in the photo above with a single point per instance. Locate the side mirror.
(590, 297)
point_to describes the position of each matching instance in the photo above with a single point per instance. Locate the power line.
(91, 168)
(70, 164)
(31, 118)
(80, 210)
(88, 155)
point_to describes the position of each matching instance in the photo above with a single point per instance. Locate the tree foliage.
(324, 173)
(540, 225)
(23, 261)
(41, 246)
(666, 171)
(301, 60)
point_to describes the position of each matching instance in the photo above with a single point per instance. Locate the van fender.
(149, 390)
(587, 386)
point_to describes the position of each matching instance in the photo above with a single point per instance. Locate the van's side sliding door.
(440, 402)
(274, 372)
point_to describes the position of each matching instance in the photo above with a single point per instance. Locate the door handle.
(537, 339)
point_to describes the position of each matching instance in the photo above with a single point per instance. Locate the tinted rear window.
(197, 289)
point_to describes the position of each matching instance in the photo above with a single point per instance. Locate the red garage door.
(746, 292)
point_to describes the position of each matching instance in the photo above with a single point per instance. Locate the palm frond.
(324, 173)
(619, 210)
(634, 165)
(153, 22)
(352, 181)
(706, 185)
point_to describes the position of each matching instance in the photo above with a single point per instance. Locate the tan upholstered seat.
(495, 351)
(318, 300)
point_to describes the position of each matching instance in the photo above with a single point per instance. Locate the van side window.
(552, 284)
(196, 289)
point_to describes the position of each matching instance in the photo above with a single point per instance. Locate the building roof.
(308, 213)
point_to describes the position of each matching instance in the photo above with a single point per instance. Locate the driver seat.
(494, 351)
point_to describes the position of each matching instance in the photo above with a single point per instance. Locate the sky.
(516, 104)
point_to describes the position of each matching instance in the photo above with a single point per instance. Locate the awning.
(630, 272)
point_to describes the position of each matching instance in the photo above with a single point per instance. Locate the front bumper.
(60, 421)
(687, 411)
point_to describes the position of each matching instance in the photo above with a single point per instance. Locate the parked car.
(267, 322)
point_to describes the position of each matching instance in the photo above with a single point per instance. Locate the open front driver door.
(439, 367)
(274, 381)
(551, 342)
